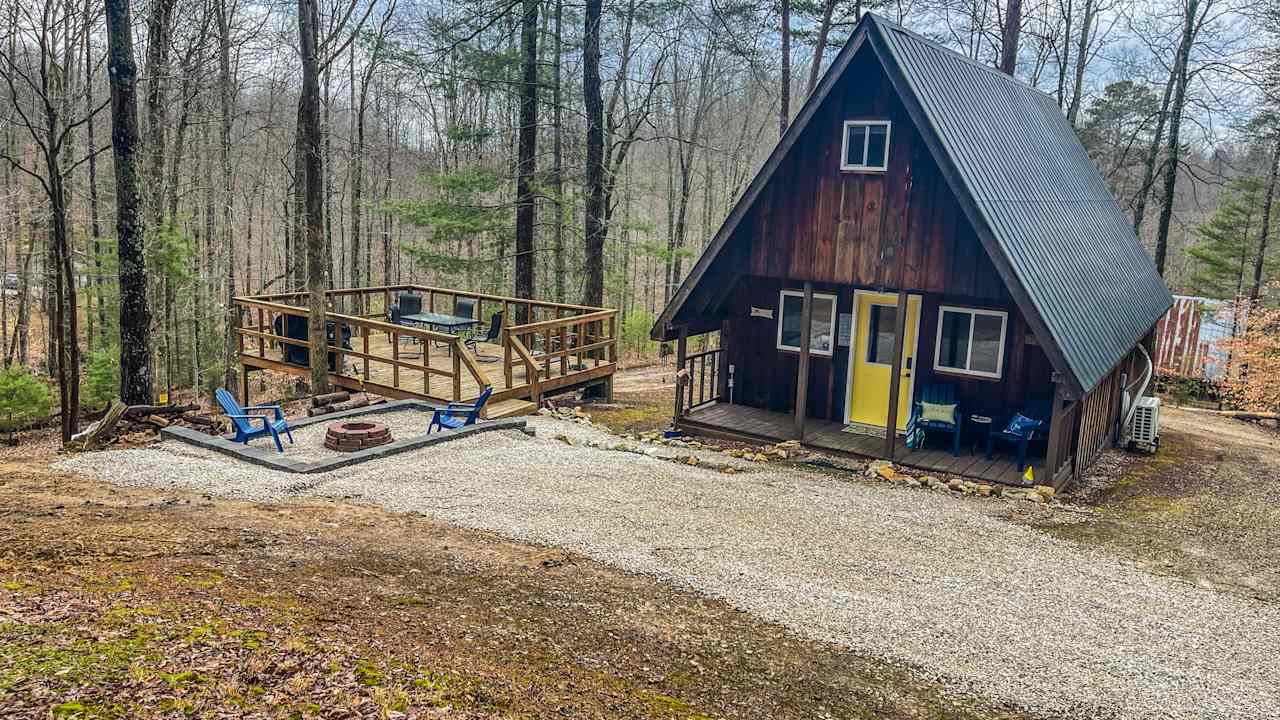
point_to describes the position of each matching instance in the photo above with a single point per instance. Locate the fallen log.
(145, 410)
(158, 421)
(95, 433)
(328, 399)
(201, 420)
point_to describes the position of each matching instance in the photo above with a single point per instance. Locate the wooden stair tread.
(508, 408)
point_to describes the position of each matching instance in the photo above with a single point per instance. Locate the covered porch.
(741, 422)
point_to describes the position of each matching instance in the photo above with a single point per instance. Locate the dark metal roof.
(1045, 215)
(1070, 246)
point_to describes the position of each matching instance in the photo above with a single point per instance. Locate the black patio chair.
(397, 318)
(464, 307)
(410, 303)
(491, 335)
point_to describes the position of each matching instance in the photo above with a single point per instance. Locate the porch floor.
(757, 424)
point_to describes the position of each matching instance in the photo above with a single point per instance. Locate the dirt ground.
(124, 603)
(127, 603)
(1202, 508)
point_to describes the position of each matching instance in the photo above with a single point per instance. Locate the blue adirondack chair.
(937, 394)
(456, 415)
(1037, 412)
(244, 422)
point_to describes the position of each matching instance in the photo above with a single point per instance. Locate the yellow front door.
(871, 360)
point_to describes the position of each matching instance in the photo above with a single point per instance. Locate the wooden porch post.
(682, 346)
(802, 374)
(895, 377)
(244, 385)
(1054, 452)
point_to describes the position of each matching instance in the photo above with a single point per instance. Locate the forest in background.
(581, 152)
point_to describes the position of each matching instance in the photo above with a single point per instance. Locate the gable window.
(823, 326)
(866, 145)
(970, 341)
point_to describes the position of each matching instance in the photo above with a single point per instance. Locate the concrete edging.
(269, 458)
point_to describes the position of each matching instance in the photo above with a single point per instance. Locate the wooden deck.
(748, 423)
(557, 347)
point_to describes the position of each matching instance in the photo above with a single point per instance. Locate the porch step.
(508, 408)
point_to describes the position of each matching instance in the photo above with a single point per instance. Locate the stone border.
(269, 458)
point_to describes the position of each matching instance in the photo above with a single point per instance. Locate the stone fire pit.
(353, 435)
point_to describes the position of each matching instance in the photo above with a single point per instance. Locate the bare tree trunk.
(226, 105)
(593, 217)
(1009, 38)
(784, 97)
(313, 184)
(820, 46)
(1173, 148)
(159, 37)
(1255, 288)
(526, 210)
(557, 157)
(135, 316)
(1150, 164)
(1082, 59)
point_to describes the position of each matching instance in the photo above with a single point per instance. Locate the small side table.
(981, 425)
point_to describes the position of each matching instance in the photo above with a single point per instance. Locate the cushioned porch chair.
(937, 396)
(1024, 427)
(244, 422)
(456, 415)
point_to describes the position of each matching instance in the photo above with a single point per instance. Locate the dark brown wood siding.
(765, 377)
(900, 229)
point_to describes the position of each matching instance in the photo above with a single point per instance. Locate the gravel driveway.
(922, 579)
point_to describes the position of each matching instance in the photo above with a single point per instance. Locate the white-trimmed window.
(970, 341)
(866, 146)
(822, 335)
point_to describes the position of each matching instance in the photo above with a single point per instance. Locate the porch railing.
(699, 378)
(567, 338)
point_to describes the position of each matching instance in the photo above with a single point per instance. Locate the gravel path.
(921, 579)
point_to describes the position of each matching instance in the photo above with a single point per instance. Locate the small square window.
(866, 145)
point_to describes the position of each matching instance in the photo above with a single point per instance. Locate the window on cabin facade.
(823, 326)
(970, 341)
(882, 334)
(866, 145)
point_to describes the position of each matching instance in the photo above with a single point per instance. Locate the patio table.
(449, 323)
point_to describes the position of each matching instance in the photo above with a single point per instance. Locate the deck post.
(682, 346)
(1054, 452)
(895, 378)
(244, 385)
(802, 373)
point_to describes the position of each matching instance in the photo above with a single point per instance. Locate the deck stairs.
(512, 407)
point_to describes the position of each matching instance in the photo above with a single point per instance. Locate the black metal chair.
(410, 304)
(397, 318)
(464, 307)
(491, 335)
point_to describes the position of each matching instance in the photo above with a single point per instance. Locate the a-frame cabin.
(939, 222)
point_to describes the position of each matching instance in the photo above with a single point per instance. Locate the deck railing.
(570, 339)
(698, 380)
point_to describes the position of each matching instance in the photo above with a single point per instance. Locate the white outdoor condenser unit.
(1144, 429)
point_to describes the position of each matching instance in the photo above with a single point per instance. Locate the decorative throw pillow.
(1021, 425)
(936, 412)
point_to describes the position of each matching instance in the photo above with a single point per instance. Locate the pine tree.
(1227, 241)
